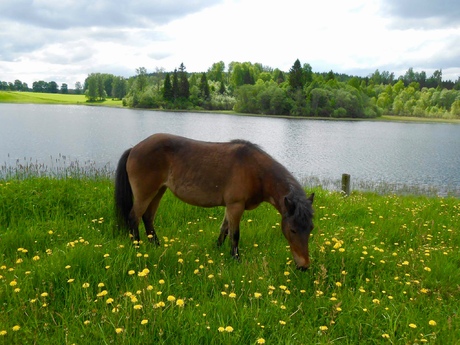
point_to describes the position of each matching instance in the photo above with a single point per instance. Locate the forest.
(247, 87)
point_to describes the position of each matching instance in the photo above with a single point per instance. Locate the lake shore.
(72, 99)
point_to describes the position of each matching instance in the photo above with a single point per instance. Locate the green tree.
(297, 76)
(184, 90)
(216, 72)
(78, 88)
(141, 79)
(64, 88)
(53, 87)
(204, 87)
(168, 93)
(91, 90)
(119, 87)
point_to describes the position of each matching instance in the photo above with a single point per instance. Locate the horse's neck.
(277, 194)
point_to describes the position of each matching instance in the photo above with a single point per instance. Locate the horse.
(237, 174)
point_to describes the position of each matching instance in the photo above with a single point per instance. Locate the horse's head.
(297, 224)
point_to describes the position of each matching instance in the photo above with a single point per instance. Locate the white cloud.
(66, 40)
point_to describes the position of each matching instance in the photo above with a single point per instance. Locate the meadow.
(52, 98)
(385, 270)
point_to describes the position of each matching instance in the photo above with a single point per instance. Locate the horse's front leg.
(234, 213)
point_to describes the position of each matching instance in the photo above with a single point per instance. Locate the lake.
(422, 155)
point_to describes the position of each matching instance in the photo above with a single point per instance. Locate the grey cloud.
(64, 14)
(423, 14)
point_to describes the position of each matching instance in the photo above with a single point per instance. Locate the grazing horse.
(238, 175)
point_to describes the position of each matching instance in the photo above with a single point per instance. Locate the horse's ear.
(290, 205)
(311, 197)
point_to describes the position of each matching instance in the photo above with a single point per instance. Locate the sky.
(65, 40)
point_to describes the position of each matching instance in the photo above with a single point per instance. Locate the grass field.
(51, 98)
(385, 270)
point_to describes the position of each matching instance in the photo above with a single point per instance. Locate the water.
(381, 153)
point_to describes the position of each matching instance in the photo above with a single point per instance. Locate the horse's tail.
(123, 192)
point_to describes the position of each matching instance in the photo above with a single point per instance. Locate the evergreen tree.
(168, 94)
(204, 87)
(184, 87)
(296, 76)
(175, 85)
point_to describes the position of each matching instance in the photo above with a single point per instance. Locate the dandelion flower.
(211, 276)
(16, 328)
(3, 332)
(412, 325)
(36, 258)
(282, 322)
(323, 328)
(144, 322)
(257, 294)
(232, 295)
(171, 298)
(13, 283)
(432, 323)
(119, 330)
(229, 329)
(221, 329)
(85, 285)
(260, 341)
(385, 336)
(427, 269)
(109, 301)
(161, 282)
(86, 322)
(376, 301)
(44, 294)
(138, 306)
(180, 302)
(71, 280)
(100, 285)
(131, 272)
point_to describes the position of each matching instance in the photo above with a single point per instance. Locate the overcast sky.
(65, 40)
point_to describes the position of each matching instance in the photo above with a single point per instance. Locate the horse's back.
(200, 173)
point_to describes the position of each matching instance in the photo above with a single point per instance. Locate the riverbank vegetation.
(257, 89)
(385, 269)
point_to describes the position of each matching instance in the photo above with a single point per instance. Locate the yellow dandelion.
(86, 322)
(257, 294)
(338, 284)
(17, 290)
(36, 258)
(119, 330)
(211, 276)
(376, 301)
(131, 272)
(171, 298)
(385, 336)
(282, 322)
(323, 328)
(16, 328)
(221, 329)
(3, 332)
(44, 294)
(109, 301)
(71, 280)
(260, 341)
(427, 269)
(144, 322)
(85, 285)
(161, 282)
(232, 295)
(138, 306)
(180, 302)
(13, 283)
(432, 323)
(286, 273)
(229, 329)
(412, 325)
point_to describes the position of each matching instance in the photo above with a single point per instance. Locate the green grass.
(380, 266)
(51, 98)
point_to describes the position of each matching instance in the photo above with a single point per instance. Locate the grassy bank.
(385, 269)
(51, 98)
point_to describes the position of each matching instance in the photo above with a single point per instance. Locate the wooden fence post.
(346, 184)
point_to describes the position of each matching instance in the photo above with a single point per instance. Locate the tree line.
(254, 88)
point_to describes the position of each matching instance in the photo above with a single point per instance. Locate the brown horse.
(238, 175)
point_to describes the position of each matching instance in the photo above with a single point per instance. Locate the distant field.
(51, 98)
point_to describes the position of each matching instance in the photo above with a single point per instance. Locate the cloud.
(423, 14)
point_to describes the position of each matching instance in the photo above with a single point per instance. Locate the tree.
(168, 93)
(175, 85)
(78, 88)
(297, 76)
(184, 91)
(216, 72)
(119, 87)
(204, 87)
(53, 87)
(91, 90)
(141, 79)
(64, 88)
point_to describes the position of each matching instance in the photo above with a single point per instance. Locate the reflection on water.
(424, 155)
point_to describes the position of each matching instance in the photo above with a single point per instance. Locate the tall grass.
(385, 269)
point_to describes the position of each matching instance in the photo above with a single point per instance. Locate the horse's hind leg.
(233, 215)
(149, 216)
(223, 231)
